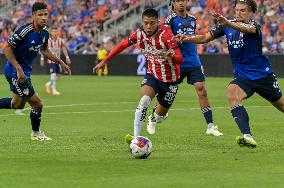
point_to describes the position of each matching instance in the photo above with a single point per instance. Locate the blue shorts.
(193, 75)
(54, 68)
(266, 87)
(25, 90)
(166, 91)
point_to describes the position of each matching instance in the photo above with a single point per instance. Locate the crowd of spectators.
(79, 21)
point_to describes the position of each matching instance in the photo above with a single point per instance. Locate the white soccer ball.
(140, 147)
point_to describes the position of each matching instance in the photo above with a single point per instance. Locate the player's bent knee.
(202, 92)
(38, 106)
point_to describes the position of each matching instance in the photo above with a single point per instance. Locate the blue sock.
(207, 112)
(35, 120)
(6, 103)
(241, 117)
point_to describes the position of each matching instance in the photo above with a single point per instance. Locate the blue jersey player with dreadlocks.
(22, 48)
(252, 69)
(183, 23)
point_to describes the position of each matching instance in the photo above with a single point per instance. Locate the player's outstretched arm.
(8, 51)
(239, 26)
(197, 39)
(119, 48)
(47, 53)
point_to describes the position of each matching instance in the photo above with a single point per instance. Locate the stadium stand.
(81, 22)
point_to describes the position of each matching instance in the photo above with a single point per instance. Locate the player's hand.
(220, 18)
(68, 60)
(170, 53)
(179, 38)
(98, 66)
(21, 75)
(66, 68)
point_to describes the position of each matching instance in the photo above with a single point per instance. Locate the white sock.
(53, 81)
(140, 114)
(159, 118)
(210, 125)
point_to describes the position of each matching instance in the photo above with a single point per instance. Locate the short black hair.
(251, 4)
(38, 6)
(150, 12)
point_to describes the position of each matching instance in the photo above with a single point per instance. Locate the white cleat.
(213, 130)
(39, 136)
(151, 126)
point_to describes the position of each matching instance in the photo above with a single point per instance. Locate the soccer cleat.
(151, 126)
(39, 136)
(213, 130)
(47, 88)
(19, 112)
(128, 139)
(55, 93)
(246, 141)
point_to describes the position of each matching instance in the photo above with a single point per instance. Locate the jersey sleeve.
(16, 39)
(132, 39)
(171, 43)
(169, 22)
(45, 43)
(218, 32)
(257, 26)
(169, 40)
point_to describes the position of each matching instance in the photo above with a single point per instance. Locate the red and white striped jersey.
(154, 47)
(55, 47)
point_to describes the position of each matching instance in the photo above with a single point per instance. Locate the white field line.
(113, 111)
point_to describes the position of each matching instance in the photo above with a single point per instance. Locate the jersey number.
(141, 60)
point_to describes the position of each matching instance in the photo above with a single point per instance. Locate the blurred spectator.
(78, 21)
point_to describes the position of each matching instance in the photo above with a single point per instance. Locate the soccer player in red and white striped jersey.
(164, 58)
(56, 45)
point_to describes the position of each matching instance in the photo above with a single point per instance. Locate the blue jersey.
(186, 26)
(26, 43)
(246, 52)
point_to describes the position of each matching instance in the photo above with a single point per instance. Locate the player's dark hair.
(172, 4)
(38, 6)
(251, 4)
(150, 12)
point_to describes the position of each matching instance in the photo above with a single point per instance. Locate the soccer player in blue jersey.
(22, 48)
(181, 22)
(252, 70)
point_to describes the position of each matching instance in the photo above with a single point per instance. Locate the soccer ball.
(140, 147)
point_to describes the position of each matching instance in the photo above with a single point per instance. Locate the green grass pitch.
(88, 124)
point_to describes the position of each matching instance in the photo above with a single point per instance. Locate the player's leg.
(105, 70)
(147, 93)
(206, 109)
(35, 116)
(195, 76)
(51, 70)
(16, 102)
(166, 97)
(279, 104)
(269, 89)
(237, 91)
(54, 77)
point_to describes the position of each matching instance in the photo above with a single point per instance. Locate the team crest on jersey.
(26, 91)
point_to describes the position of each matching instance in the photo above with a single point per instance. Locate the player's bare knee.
(38, 106)
(202, 92)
